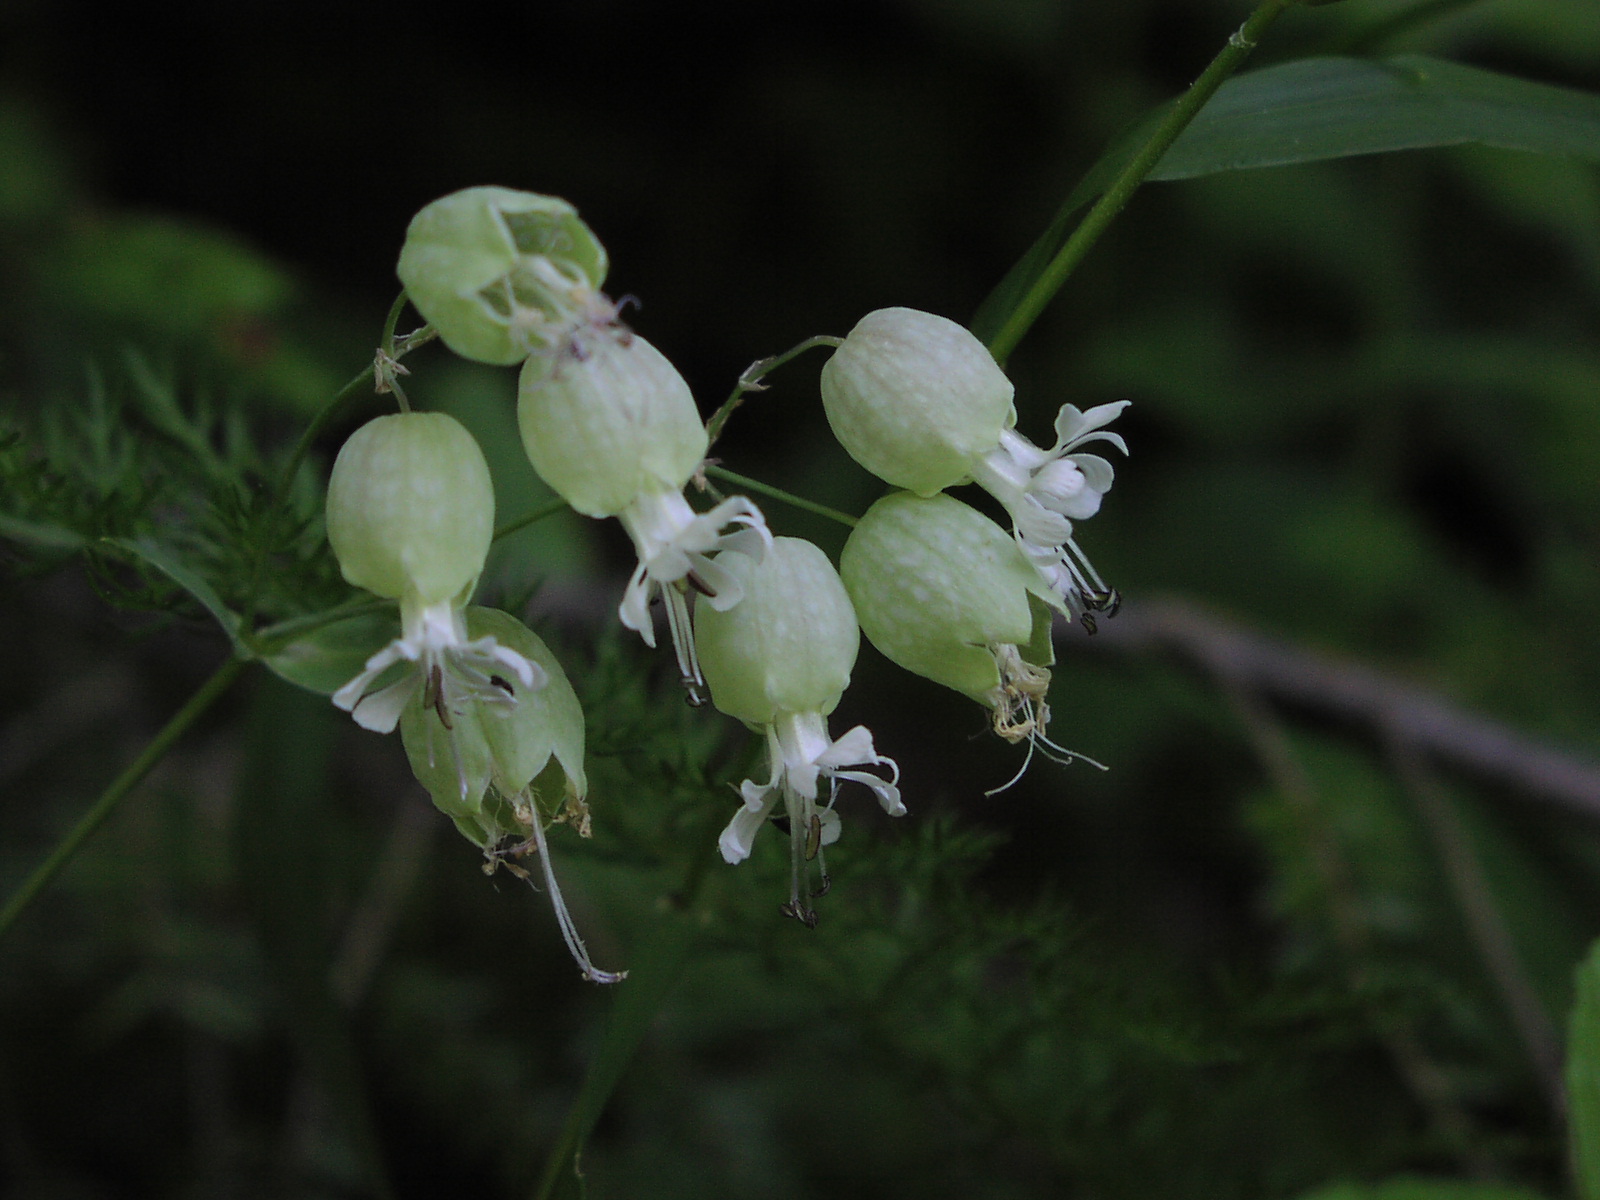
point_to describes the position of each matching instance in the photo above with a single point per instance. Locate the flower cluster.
(919, 402)
(763, 627)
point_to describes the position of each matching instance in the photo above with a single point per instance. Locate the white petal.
(831, 825)
(1072, 424)
(1037, 524)
(723, 590)
(888, 795)
(849, 749)
(1097, 472)
(751, 542)
(757, 796)
(635, 607)
(380, 712)
(740, 834)
(350, 694)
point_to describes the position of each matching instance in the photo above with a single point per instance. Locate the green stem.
(766, 489)
(750, 380)
(1121, 190)
(538, 514)
(120, 787)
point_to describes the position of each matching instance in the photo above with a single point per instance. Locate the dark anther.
(433, 697)
(805, 916)
(813, 837)
(827, 883)
(1107, 602)
(699, 584)
(1087, 622)
(503, 684)
(694, 693)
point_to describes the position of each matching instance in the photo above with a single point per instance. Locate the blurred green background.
(1254, 957)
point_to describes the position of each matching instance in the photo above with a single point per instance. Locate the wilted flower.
(502, 274)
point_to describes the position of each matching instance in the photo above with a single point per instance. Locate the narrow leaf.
(1583, 1078)
(159, 557)
(1423, 1189)
(1322, 108)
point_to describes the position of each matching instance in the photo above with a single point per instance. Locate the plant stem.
(120, 787)
(766, 489)
(750, 380)
(1121, 190)
(538, 514)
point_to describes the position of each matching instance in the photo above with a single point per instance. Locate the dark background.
(1364, 424)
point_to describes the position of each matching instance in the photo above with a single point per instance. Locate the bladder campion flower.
(502, 274)
(410, 515)
(920, 402)
(615, 432)
(941, 590)
(779, 662)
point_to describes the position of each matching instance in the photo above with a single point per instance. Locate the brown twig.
(1283, 671)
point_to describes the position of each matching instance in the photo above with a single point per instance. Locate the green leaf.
(1423, 1189)
(1323, 108)
(1583, 1078)
(326, 658)
(159, 557)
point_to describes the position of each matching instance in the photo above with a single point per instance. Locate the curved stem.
(750, 380)
(120, 787)
(766, 489)
(1121, 190)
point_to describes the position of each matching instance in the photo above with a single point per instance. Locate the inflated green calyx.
(789, 645)
(410, 508)
(945, 592)
(915, 398)
(603, 428)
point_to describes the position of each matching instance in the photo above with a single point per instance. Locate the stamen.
(689, 674)
(569, 929)
(433, 698)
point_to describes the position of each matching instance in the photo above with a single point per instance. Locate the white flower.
(1045, 491)
(674, 544)
(801, 753)
(447, 670)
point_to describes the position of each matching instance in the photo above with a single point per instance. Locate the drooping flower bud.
(919, 401)
(615, 432)
(779, 661)
(502, 273)
(943, 591)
